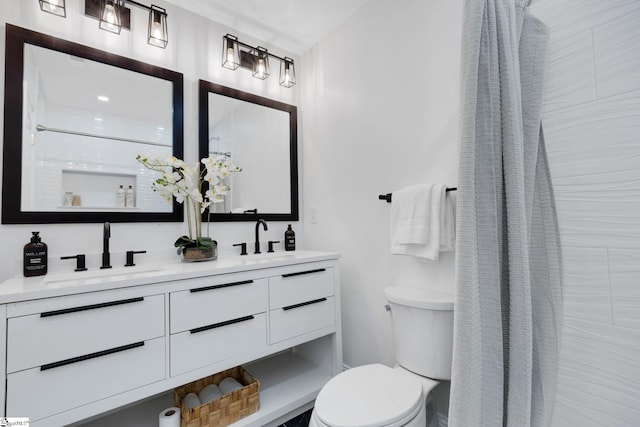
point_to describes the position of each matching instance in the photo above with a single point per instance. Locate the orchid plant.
(184, 182)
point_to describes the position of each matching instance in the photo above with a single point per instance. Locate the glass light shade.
(230, 52)
(158, 34)
(55, 7)
(110, 15)
(261, 63)
(287, 73)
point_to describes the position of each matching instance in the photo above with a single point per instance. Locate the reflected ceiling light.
(237, 54)
(103, 98)
(55, 7)
(114, 15)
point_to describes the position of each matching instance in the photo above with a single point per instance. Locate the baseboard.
(345, 367)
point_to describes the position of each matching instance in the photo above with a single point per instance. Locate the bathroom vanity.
(81, 344)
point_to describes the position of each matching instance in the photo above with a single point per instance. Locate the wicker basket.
(226, 409)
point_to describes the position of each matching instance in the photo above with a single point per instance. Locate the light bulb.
(156, 30)
(230, 55)
(53, 5)
(109, 14)
(260, 67)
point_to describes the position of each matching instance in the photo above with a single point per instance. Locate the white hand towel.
(416, 213)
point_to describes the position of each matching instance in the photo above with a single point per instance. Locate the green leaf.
(184, 241)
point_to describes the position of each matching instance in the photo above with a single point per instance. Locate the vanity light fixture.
(111, 15)
(230, 52)
(114, 15)
(287, 72)
(261, 63)
(55, 7)
(237, 54)
(158, 34)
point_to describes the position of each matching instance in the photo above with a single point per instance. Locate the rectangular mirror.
(259, 135)
(75, 120)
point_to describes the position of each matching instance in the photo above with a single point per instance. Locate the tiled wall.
(592, 126)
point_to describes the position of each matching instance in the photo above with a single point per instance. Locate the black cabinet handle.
(302, 304)
(221, 324)
(226, 285)
(90, 307)
(300, 273)
(91, 356)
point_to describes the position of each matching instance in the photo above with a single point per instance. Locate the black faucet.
(264, 224)
(106, 257)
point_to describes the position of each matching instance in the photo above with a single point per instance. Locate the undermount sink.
(98, 276)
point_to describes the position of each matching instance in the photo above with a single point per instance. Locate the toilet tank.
(422, 326)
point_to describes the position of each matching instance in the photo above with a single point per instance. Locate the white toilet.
(380, 396)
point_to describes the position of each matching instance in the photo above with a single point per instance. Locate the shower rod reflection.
(387, 196)
(221, 153)
(41, 128)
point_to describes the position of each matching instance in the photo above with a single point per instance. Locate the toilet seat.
(369, 396)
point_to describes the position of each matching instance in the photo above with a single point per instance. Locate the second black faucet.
(257, 245)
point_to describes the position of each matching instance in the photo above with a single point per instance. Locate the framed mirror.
(259, 135)
(75, 118)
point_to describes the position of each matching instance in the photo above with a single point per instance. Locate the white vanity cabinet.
(301, 301)
(215, 319)
(75, 352)
(65, 352)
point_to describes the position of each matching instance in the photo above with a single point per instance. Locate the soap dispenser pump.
(289, 239)
(35, 257)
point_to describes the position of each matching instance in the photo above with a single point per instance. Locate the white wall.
(194, 50)
(592, 127)
(379, 112)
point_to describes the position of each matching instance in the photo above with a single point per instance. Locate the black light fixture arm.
(248, 46)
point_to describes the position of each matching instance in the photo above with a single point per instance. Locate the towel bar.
(387, 196)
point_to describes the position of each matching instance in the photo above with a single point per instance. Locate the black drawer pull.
(219, 325)
(300, 273)
(226, 285)
(91, 356)
(302, 304)
(90, 307)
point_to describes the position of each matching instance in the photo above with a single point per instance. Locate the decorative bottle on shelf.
(289, 239)
(35, 257)
(120, 197)
(129, 200)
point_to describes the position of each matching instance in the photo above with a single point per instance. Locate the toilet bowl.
(379, 396)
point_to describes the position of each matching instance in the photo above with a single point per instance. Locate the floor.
(301, 420)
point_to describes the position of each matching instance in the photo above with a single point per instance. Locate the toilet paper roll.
(191, 400)
(209, 393)
(228, 385)
(170, 417)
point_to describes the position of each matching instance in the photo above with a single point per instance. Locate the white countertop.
(52, 285)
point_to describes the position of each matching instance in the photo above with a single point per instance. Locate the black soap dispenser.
(289, 239)
(35, 257)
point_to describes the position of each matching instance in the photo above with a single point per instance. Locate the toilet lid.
(368, 396)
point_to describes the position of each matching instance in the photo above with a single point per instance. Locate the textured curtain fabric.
(508, 267)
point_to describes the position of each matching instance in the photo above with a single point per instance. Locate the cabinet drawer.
(213, 343)
(304, 285)
(38, 339)
(206, 305)
(299, 319)
(37, 393)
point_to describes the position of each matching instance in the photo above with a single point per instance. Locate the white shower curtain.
(508, 270)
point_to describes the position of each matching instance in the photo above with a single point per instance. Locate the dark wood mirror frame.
(205, 88)
(16, 38)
